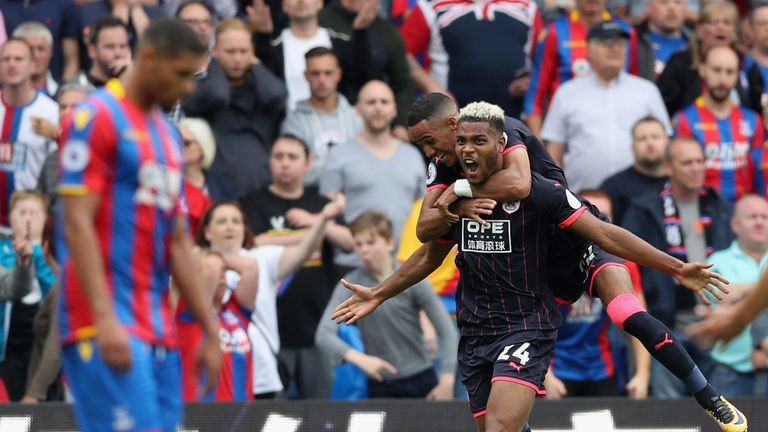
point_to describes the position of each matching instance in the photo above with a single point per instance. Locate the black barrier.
(570, 415)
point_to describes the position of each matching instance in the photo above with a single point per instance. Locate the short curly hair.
(483, 112)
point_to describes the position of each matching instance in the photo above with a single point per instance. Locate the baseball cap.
(607, 30)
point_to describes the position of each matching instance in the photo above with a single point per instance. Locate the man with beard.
(109, 50)
(374, 170)
(649, 139)
(731, 136)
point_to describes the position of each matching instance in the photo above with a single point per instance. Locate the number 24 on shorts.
(521, 353)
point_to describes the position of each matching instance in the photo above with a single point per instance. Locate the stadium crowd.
(299, 169)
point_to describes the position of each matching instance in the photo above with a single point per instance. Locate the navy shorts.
(574, 262)
(521, 357)
(574, 271)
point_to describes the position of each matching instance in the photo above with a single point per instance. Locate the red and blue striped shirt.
(561, 55)
(733, 147)
(132, 160)
(234, 382)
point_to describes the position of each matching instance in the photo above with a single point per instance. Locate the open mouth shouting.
(471, 166)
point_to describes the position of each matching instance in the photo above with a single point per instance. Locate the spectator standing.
(222, 9)
(680, 83)
(741, 263)
(109, 51)
(61, 18)
(28, 214)
(135, 15)
(280, 214)
(199, 151)
(199, 16)
(69, 95)
(374, 170)
(661, 35)
(593, 115)
(731, 136)
(22, 150)
(326, 119)
(689, 221)
(754, 64)
(43, 383)
(396, 360)
(387, 62)
(453, 36)
(233, 310)
(284, 52)
(243, 102)
(638, 10)
(649, 140)
(40, 40)
(225, 230)
(561, 55)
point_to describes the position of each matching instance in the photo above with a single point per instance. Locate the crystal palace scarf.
(673, 228)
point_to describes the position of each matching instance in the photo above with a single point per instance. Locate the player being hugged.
(505, 308)
(124, 235)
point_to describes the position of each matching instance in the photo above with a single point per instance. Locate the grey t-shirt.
(393, 332)
(693, 232)
(369, 183)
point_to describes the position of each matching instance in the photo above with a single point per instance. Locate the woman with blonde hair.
(200, 187)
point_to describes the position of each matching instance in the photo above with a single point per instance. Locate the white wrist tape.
(462, 188)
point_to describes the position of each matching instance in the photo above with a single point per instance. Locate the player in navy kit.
(576, 265)
(506, 312)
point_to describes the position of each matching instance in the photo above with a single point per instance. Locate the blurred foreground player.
(506, 311)
(124, 234)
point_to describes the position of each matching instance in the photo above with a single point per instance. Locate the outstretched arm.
(365, 300)
(293, 257)
(726, 322)
(618, 241)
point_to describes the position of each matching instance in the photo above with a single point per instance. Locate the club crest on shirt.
(13, 156)
(82, 117)
(572, 200)
(431, 173)
(745, 128)
(159, 186)
(75, 156)
(277, 222)
(235, 341)
(580, 68)
(494, 236)
(510, 208)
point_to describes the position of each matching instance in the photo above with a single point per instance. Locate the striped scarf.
(673, 228)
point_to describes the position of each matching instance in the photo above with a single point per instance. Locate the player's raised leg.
(614, 287)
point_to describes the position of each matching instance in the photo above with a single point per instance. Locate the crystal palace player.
(125, 232)
(583, 223)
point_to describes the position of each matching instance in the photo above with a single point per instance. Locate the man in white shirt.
(283, 52)
(22, 151)
(587, 129)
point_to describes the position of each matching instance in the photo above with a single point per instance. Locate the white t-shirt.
(294, 49)
(265, 340)
(22, 151)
